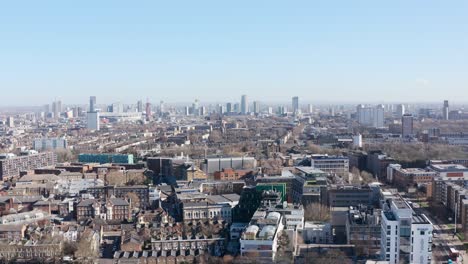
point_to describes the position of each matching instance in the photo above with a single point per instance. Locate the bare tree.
(115, 178)
(135, 177)
(135, 200)
(367, 177)
(317, 212)
(329, 257)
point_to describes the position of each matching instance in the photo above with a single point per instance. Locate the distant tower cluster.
(371, 116)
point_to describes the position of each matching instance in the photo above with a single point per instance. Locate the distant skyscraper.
(244, 105)
(445, 110)
(55, 109)
(59, 106)
(364, 115)
(371, 116)
(187, 110)
(196, 107)
(295, 104)
(400, 110)
(117, 107)
(229, 107)
(139, 106)
(148, 111)
(379, 116)
(221, 109)
(10, 121)
(92, 104)
(92, 117)
(75, 112)
(161, 107)
(407, 125)
(202, 111)
(310, 108)
(256, 107)
(237, 108)
(270, 110)
(93, 121)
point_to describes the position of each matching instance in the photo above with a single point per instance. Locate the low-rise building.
(228, 174)
(331, 164)
(363, 229)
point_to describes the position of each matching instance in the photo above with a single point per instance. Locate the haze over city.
(338, 51)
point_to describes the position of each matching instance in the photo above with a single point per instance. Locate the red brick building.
(229, 174)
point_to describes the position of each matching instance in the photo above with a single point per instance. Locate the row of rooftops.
(157, 253)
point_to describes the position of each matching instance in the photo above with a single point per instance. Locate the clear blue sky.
(218, 50)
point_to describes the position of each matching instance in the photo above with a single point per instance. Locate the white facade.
(317, 233)
(405, 236)
(421, 241)
(199, 211)
(390, 242)
(331, 164)
(261, 241)
(357, 141)
(390, 169)
(93, 120)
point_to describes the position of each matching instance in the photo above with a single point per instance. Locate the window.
(422, 232)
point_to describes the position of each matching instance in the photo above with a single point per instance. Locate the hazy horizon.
(334, 51)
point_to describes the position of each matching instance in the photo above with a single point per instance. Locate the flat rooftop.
(400, 204)
(449, 167)
(420, 219)
(416, 171)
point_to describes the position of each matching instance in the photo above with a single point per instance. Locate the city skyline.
(342, 51)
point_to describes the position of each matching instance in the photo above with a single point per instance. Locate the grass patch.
(461, 236)
(424, 204)
(451, 226)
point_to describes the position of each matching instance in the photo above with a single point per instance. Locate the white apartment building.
(421, 240)
(390, 242)
(260, 239)
(406, 236)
